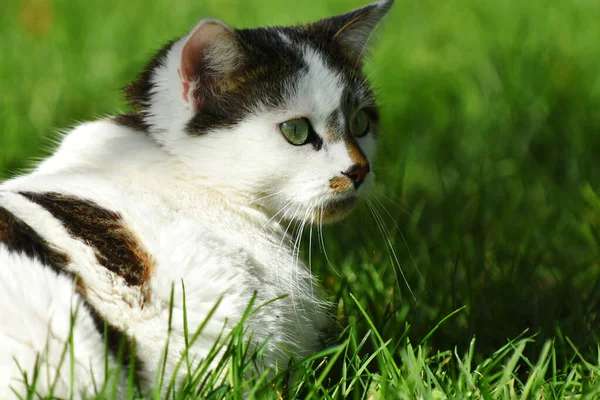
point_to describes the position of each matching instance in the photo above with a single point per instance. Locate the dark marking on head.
(138, 93)
(19, 237)
(269, 71)
(115, 246)
(269, 68)
(349, 103)
(317, 142)
(335, 129)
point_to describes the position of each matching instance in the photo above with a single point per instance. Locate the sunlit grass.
(394, 368)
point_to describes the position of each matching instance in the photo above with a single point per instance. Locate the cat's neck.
(135, 162)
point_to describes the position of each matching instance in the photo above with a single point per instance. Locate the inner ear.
(210, 52)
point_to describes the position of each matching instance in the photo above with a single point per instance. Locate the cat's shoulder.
(97, 145)
(96, 159)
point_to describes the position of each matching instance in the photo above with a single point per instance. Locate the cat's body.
(188, 232)
(186, 196)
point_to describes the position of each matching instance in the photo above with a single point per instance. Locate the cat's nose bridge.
(357, 156)
(357, 173)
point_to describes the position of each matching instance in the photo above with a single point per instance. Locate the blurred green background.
(488, 166)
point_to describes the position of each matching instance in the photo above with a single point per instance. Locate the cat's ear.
(210, 53)
(354, 29)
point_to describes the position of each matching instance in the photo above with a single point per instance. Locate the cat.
(232, 136)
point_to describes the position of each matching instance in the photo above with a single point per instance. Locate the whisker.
(323, 242)
(392, 253)
(287, 205)
(403, 238)
(312, 290)
(284, 236)
(265, 197)
(406, 209)
(298, 235)
(296, 255)
(387, 247)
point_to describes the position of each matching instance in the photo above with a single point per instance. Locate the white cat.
(233, 135)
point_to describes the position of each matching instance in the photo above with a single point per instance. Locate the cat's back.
(85, 241)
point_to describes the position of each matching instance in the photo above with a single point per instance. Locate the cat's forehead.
(315, 66)
(287, 47)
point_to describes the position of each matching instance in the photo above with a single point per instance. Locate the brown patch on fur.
(80, 285)
(115, 246)
(340, 184)
(148, 271)
(21, 238)
(355, 152)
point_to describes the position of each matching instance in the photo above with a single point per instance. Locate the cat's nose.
(357, 173)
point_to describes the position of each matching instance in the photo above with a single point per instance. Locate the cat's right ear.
(210, 53)
(353, 30)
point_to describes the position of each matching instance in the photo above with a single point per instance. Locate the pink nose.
(357, 173)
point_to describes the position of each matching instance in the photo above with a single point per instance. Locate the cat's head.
(281, 115)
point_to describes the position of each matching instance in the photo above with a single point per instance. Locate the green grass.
(489, 183)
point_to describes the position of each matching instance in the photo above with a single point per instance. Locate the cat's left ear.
(210, 53)
(354, 29)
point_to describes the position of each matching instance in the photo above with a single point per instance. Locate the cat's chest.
(216, 257)
(198, 263)
(190, 242)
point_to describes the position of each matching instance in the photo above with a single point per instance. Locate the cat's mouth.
(336, 210)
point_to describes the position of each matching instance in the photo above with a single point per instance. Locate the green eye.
(360, 124)
(296, 131)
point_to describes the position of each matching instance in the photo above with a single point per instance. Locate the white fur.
(35, 321)
(196, 204)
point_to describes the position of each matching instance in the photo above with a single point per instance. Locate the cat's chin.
(336, 210)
